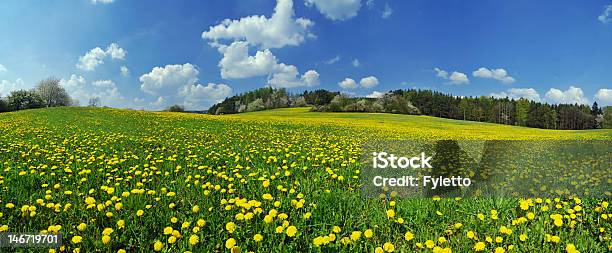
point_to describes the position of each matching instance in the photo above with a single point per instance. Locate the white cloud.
(278, 31)
(376, 94)
(96, 56)
(102, 1)
(336, 9)
(2, 69)
(106, 90)
(168, 79)
(356, 63)
(333, 60)
(387, 11)
(368, 82)
(200, 96)
(286, 76)
(441, 73)
(124, 71)
(237, 63)
(91, 59)
(73, 83)
(7, 86)
(178, 84)
(116, 52)
(572, 95)
(454, 78)
(348, 83)
(310, 78)
(517, 93)
(497, 74)
(606, 16)
(604, 96)
(458, 78)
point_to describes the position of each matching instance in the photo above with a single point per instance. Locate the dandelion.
(194, 239)
(291, 231)
(355, 235)
(429, 244)
(230, 227)
(258, 237)
(76, 239)
(230, 243)
(368, 233)
(157, 246)
(388, 247)
(408, 236)
(479, 246)
(470, 234)
(106, 239)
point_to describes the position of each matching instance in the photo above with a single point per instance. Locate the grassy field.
(284, 180)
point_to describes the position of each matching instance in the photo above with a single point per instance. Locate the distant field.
(283, 180)
(411, 126)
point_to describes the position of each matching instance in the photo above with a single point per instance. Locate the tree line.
(270, 98)
(47, 93)
(520, 112)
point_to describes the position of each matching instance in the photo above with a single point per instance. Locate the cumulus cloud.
(96, 56)
(336, 9)
(237, 63)
(573, 95)
(458, 78)
(2, 69)
(454, 78)
(517, 93)
(606, 16)
(178, 84)
(604, 96)
(198, 96)
(356, 63)
(368, 82)
(497, 74)
(275, 32)
(286, 76)
(124, 71)
(168, 79)
(310, 78)
(102, 1)
(7, 86)
(376, 94)
(106, 90)
(387, 11)
(441, 73)
(348, 83)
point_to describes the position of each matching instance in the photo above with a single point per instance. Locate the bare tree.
(94, 102)
(52, 93)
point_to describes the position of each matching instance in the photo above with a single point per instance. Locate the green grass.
(56, 158)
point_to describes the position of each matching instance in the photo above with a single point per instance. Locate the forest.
(520, 112)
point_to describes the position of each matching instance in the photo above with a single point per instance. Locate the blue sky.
(151, 54)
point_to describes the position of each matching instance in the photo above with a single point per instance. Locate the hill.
(507, 111)
(284, 180)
